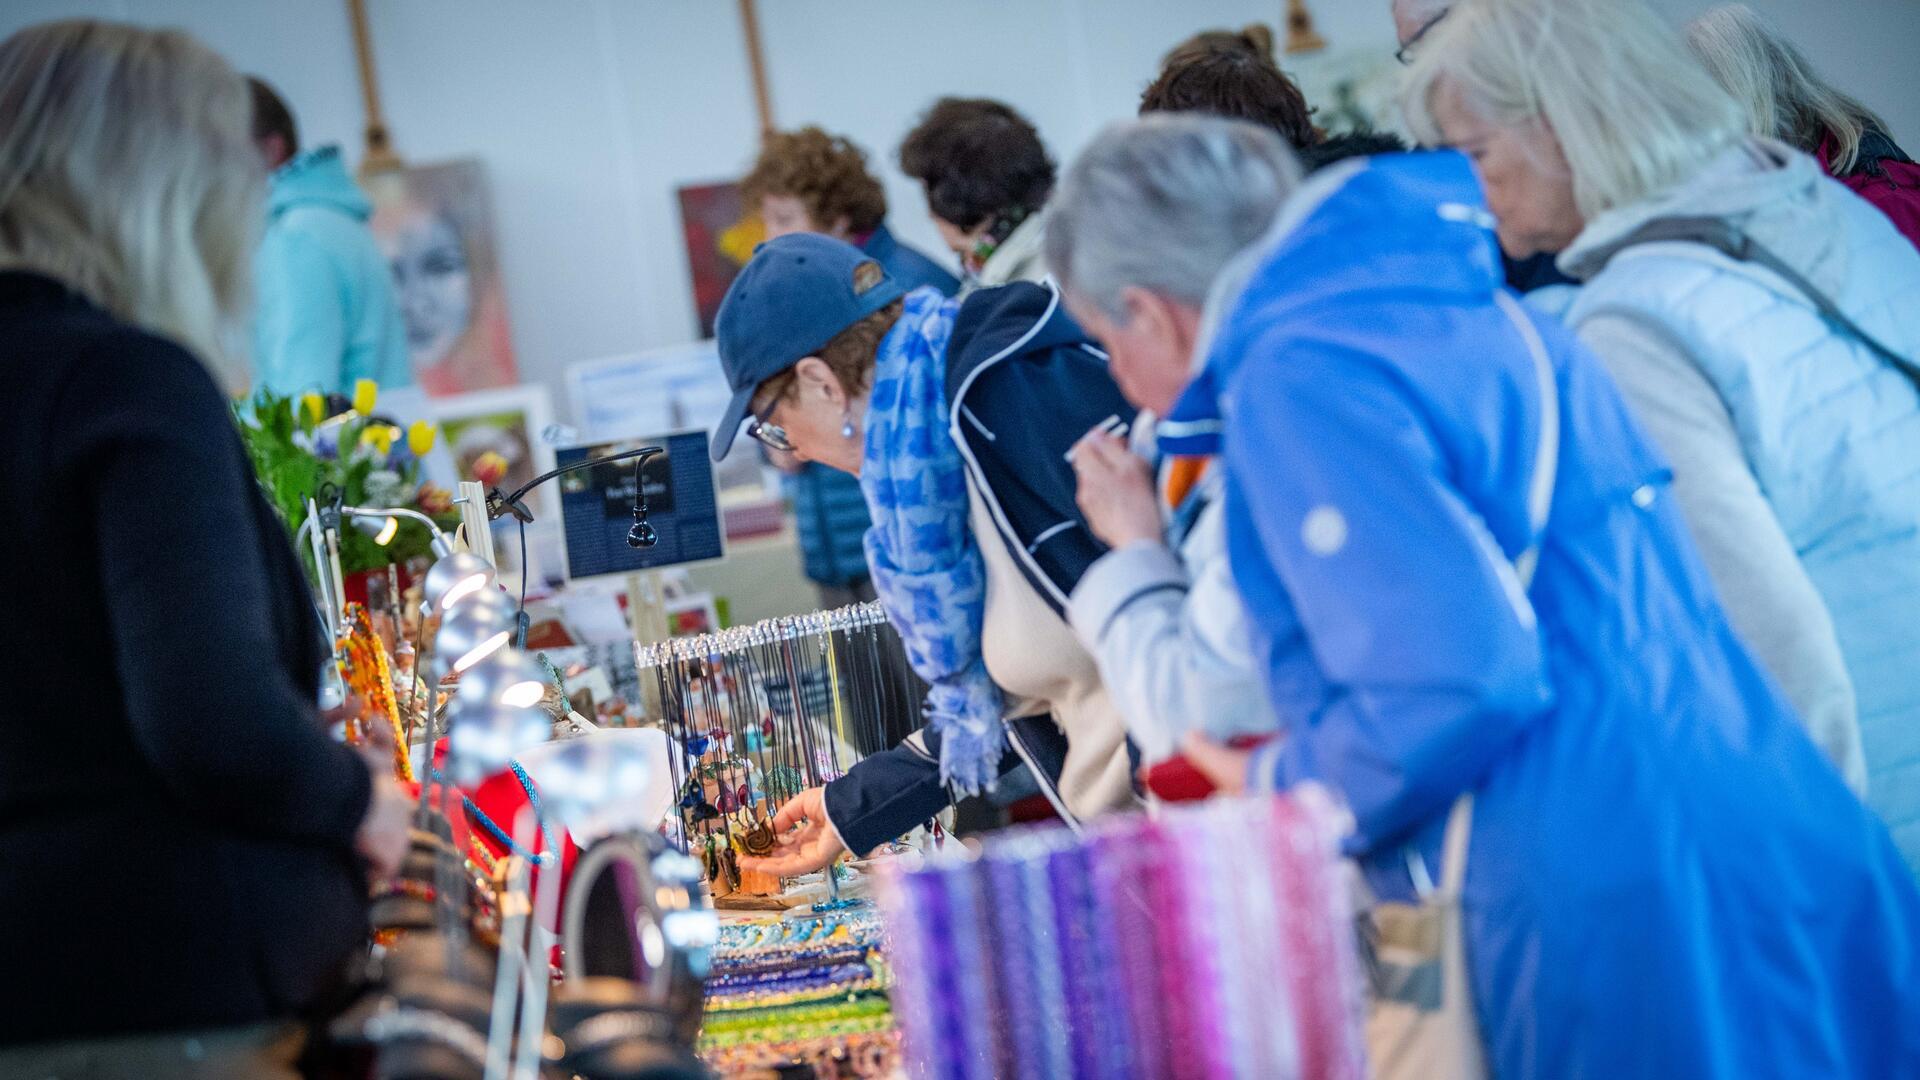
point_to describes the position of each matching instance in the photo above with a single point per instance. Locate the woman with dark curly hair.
(987, 177)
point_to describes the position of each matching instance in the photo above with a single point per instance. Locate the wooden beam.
(379, 156)
(757, 66)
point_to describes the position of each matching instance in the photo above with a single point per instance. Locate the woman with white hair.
(1786, 99)
(1471, 599)
(187, 851)
(1760, 319)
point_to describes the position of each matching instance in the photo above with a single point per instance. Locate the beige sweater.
(1034, 656)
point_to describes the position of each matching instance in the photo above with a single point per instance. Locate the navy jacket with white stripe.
(1024, 382)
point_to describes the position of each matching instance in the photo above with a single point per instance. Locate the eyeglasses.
(1404, 53)
(773, 435)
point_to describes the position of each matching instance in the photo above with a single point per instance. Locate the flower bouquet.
(299, 452)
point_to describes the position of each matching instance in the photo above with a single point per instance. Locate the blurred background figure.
(987, 178)
(1233, 74)
(810, 181)
(326, 316)
(1786, 99)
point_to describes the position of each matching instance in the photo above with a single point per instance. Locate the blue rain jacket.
(1666, 878)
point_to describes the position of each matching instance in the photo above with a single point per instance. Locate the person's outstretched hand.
(386, 832)
(1218, 762)
(1115, 490)
(811, 846)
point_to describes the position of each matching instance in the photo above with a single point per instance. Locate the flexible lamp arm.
(499, 505)
(442, 544)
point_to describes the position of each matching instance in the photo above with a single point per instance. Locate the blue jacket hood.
(1362, 227)
(317, 178)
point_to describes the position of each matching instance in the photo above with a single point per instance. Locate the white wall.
(589, 113)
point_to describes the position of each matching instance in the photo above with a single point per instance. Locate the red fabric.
(501, 798)
(1176, 779)
(1032, 808)
(1895, 192)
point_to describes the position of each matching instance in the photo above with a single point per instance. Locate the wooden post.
(647, 607)
(379, 156)
(478, 534)
(757, 66)
(1301, 36)
(647, 619)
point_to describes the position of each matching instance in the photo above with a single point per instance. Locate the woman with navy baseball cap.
(957, 419)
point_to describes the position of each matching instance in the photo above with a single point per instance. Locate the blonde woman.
(1786, 99)
(1758, 317)
(187, 853)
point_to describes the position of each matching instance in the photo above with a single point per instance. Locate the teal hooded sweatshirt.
(327, 314)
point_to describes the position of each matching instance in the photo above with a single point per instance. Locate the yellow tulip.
(312, 406)
(420, 438)
(379, 436)
(365, 393)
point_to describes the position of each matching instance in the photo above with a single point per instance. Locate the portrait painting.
(495, 439)
(434, 223)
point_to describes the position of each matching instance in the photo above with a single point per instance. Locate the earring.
(846, 426)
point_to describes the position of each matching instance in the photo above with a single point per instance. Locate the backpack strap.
(1725, 237)
(1546, 472)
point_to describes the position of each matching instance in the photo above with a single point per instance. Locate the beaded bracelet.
(776, 999)
(800, 1016)
(796, 979)
(776, 959)
(867, 1054)
(1049, 978)
(1098, 1043)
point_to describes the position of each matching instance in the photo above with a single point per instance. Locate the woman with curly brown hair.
(810, 181)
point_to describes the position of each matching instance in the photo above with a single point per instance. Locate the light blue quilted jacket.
(1830, 432)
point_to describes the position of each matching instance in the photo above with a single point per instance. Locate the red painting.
(721, 235)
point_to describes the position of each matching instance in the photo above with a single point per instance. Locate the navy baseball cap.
(797, 293)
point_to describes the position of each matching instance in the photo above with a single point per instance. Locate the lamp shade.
(456, 577)
(505, 677)
(473, 630)
(482, 738)
(605, 782)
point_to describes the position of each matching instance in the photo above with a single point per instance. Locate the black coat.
(176, 828)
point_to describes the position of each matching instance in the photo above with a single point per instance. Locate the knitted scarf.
(926, 567)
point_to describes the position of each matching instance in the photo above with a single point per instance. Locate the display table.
(804, 989)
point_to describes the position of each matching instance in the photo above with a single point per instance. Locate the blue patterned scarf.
(926, 567)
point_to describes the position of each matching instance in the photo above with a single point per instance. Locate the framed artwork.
(682, 505)
(721, 233)
(494, 438)
(672, 389)
(434, 223)
(693, 614)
